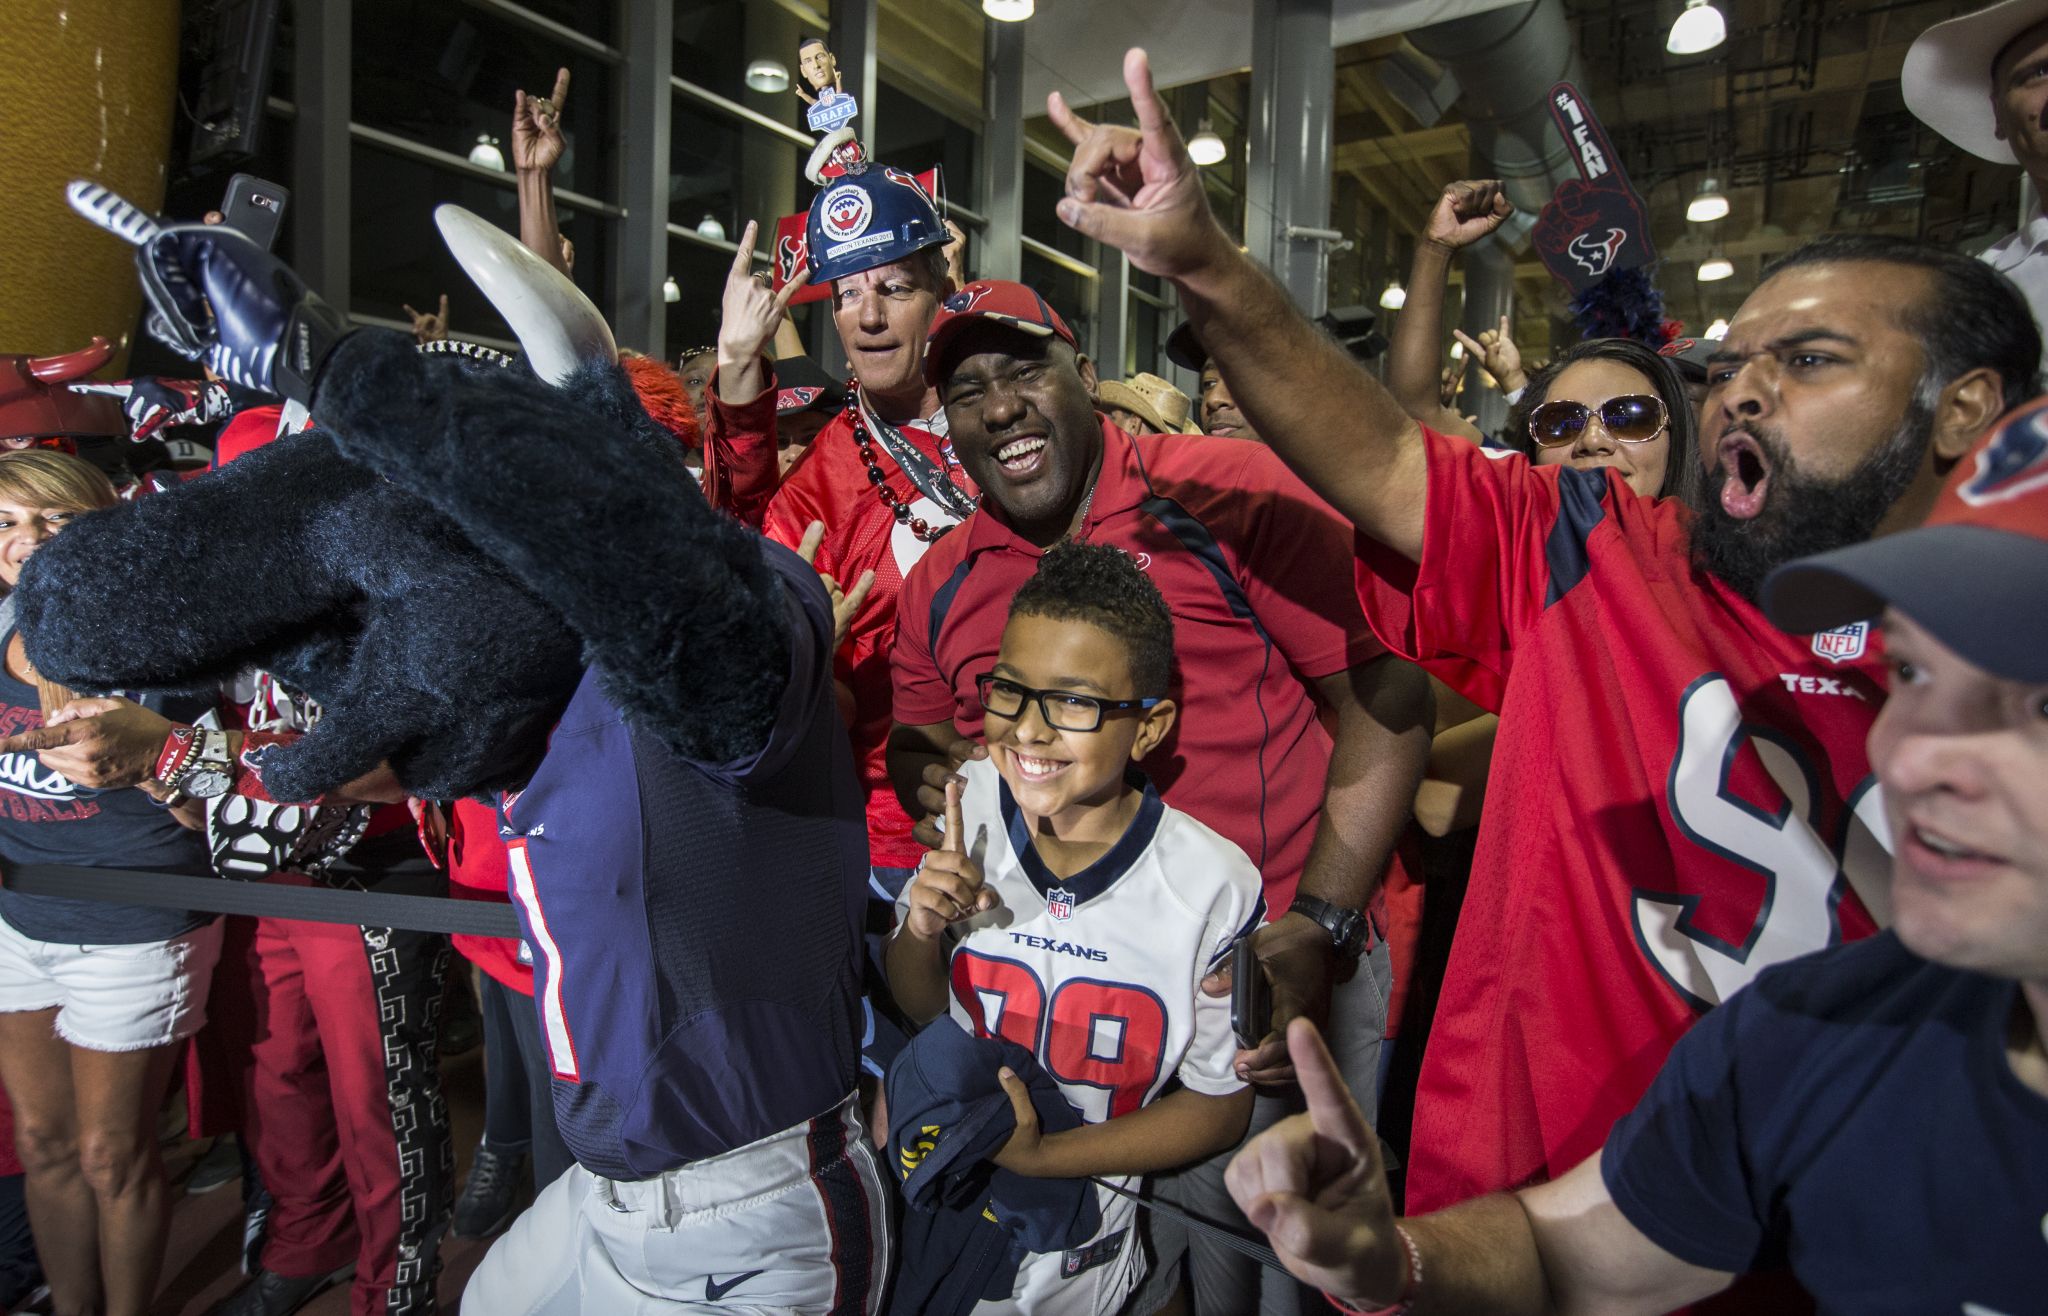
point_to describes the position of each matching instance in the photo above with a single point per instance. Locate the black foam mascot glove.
(253, 320)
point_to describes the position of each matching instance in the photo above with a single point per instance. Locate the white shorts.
(758, 1230)
(112, 998)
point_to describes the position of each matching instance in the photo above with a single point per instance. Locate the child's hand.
(1024, 1152)
(949, 885)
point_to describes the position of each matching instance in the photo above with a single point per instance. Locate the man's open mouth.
(1022, 456)
(1749, 475)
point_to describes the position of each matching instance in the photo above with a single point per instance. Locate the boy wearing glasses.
(1072, 912)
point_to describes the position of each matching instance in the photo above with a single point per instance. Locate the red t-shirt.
(1680, 797)
(478, 870)
(1248, 755)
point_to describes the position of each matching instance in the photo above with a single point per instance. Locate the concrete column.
(998, 252)
(88, 90)
(646, 113)
(1112, 312)
(322, 66)
(1292, 98)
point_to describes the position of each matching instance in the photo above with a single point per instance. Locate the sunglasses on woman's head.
(1630, 418)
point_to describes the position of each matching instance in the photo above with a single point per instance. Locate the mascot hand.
(151, 404)
(268, 330)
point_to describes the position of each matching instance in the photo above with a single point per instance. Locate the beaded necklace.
(929, 480)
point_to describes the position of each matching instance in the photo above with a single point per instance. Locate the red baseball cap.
(1006, 303)
(1975, 574)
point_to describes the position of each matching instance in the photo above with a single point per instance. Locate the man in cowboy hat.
(1144, 404)
(1973, 80)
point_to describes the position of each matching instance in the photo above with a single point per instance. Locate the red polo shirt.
(1248, 756)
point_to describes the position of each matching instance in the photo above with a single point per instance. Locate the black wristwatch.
(1348, 928)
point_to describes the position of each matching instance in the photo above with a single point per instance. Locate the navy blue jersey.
(1852, 1114)
(695, 926)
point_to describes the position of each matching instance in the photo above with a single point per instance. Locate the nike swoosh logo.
(715, 1292)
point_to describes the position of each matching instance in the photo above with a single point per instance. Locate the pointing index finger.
(1330, 1105)
(1153, 120)
(956, 838)
(561, 92)
(807, 548)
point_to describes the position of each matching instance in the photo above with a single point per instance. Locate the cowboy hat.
(1947, 75)
(1161, 405)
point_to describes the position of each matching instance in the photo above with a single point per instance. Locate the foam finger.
(117, 216)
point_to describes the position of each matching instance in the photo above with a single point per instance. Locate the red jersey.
(831, 484)
(1680, 797)
(479, 869)
(1240, 549)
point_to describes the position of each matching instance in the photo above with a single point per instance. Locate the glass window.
(731, 171)
(1145, 340)
(717, 39)
(699, 272)
(1042, 192)
(1066, 292)
(443, 75)
(397, 257)
(915, 137)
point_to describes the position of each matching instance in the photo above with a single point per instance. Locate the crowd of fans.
(978, 833)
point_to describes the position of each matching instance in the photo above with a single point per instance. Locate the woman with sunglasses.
(1620, 404)
(1610, 402)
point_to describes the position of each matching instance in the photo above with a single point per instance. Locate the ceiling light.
(1717, 330)
(1009, 11)
(1205, 147)
(768, 75)
(709, 227)
(486, 155)
(671, 291)
(1395, 297)
(1699, 29)
(1716, 268)
(1708, 204)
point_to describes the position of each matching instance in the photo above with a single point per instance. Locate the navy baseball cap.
(1975, 574)
(1184, 349)
(999, 300)
(801, 384)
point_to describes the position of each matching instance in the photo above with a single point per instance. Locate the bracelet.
(1411, 1288)
(171, 760)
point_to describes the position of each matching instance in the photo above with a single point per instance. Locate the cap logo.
(847, 212)
(1677, 345)
(1844, 644)
(789, 253)
(2015, 462)
(965, 299)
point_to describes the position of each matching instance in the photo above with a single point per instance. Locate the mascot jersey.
(669, 905)
(831, 484)
(1680, 798)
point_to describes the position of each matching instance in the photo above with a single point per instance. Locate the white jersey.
(1100, 975)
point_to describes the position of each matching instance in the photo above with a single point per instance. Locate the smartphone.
(254, 207)
(1251, 995)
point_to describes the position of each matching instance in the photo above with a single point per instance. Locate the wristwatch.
(1348, 928)
(206, 768)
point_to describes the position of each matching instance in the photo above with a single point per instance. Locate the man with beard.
(1299, 739)
(1680, 797)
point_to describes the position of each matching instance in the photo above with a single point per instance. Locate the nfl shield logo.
(1844, 644)
(1061, 902)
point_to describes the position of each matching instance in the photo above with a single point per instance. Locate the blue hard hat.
(869, 219)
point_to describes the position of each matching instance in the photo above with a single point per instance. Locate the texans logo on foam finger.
(1597, 255)
(2015, 462)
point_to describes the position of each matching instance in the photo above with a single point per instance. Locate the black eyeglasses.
(1061, 709)
(1630, 418)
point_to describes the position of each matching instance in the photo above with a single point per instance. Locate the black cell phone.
(1251, 995)
(254, 207)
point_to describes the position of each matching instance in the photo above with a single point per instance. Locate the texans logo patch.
(2015, 462)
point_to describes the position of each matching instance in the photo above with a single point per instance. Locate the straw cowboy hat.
(1163, 407)
(1947, 75)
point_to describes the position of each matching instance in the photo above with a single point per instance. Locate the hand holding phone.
(1251, 994)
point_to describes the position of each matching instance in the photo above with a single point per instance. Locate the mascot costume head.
(343, 558)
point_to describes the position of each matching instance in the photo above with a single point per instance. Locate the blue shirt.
(46, 819)
(695, 926)
(1852, 1113)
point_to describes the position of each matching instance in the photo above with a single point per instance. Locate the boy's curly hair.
(1104, 587)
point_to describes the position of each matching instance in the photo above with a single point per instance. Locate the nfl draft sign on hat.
(1975, 574)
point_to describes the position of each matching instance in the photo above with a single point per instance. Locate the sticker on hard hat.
(848, 211)
(838, 249)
